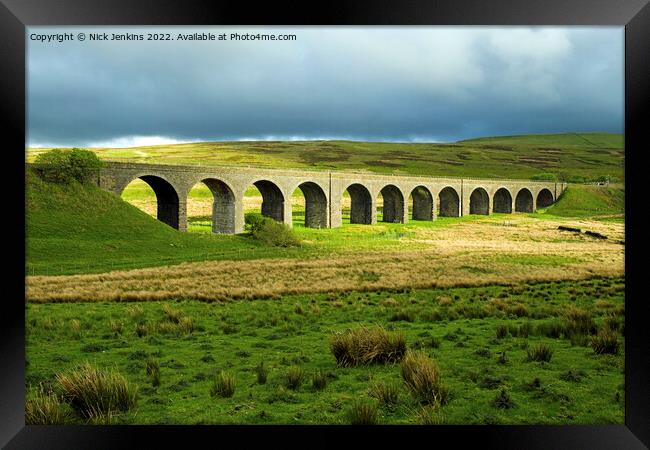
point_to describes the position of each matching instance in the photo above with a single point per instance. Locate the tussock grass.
(93, 392)
(223, 385)
(184, 326)
(173, 315)
(276, 234)
(430, 415)
(387, 394)
(503, 400)
(366, 346)
(319, 380)
(75, 327)
(141, 329)
(539, 353)
(363, 413)
(605, 342)
(579, 322)
(423, 378)
(405, 316)
(44, 408)
(152, 368)
(573, 375)
(294, 377)
(613, 323)
(116, 326)
(261, 372)
(518, 310)
(136, 312)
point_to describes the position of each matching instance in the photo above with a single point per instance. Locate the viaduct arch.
(524, 201)
(422, 203)
(324, 194)
(502, 201)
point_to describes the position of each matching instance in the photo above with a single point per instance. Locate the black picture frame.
(15, 15)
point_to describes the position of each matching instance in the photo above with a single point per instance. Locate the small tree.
(270, 232)
(276, 234)
(66, 165)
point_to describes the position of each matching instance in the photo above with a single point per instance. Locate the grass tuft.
(262, 373)
(294, 377)
(44, 408)
(319, 380)
(502, 331)
(92, 392)
(367, 346)
(223, 385)
(605, 342)
(503, 400)
(362, 413)
(152, 367)
(387, 394)
(430, 415)
(173, 315)
(540, 353)
(423, 379)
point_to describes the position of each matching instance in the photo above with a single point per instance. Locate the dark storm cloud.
(403, 84)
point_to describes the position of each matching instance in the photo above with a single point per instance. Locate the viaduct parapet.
(323, 192)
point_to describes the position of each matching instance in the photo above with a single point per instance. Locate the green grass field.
(478, 332)
(457, 327)
(577, 156)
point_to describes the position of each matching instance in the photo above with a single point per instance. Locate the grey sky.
(365, 83)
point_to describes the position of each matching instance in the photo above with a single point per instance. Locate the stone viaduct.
(323, 192)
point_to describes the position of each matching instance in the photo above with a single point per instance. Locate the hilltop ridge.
(574, 157)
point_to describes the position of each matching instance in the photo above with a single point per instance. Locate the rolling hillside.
(73, 228)
(575, 156)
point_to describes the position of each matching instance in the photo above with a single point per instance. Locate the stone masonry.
(323, 192)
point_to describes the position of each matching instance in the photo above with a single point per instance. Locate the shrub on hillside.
(272, 232)
(544, 177)
(67, 165)
(253, 221)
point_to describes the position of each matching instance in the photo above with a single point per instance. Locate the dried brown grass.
(487, 250)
